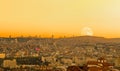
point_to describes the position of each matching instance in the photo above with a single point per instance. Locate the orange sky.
(59, 17)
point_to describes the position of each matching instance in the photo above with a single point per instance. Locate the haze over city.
(59, 17)
(59, 35)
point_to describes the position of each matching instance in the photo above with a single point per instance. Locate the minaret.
(52, 36)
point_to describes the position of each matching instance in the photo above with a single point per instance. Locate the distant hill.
(70, 41)
(86, 40)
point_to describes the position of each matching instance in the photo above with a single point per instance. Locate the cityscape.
(80, 53)
(59, 35)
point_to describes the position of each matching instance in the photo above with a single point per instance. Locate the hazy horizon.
(52, 36)
(60, 18)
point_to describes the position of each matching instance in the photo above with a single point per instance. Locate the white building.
(10, 63)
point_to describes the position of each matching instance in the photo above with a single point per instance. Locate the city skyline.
(59, 17)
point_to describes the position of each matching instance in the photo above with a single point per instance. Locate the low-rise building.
(100, 65)
(10, 63)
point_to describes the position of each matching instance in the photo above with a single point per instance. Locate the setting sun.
(86, 31)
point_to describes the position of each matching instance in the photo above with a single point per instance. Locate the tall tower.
(52, 36)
